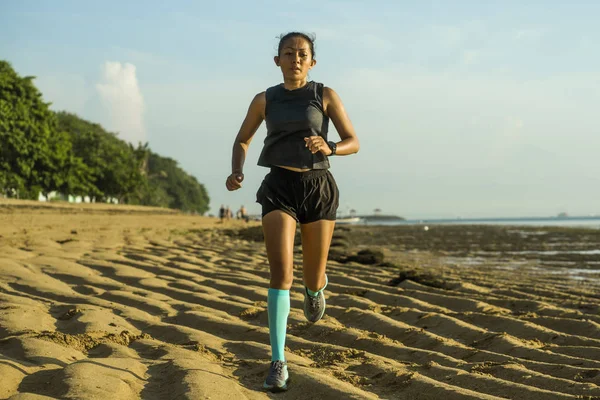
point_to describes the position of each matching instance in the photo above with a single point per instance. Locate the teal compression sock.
(278, 309)
(313, 294)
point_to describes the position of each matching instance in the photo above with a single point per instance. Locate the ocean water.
(581, 222)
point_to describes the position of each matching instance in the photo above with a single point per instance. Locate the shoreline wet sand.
(116, 302)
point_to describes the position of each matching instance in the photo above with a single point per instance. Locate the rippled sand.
(101, 302)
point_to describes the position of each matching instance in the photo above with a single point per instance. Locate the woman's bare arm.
(337, 113)
(254, 117)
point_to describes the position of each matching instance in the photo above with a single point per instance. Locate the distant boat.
(347, 220)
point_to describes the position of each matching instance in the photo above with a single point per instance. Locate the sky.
(466, 109)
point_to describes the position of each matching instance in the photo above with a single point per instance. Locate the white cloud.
(122, 99)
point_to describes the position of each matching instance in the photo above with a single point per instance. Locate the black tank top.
(290, 116)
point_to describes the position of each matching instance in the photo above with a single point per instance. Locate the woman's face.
(295, 59)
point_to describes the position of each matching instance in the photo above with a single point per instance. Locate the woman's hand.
(317, 143)
(234, 181)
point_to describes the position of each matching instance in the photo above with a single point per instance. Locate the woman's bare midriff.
(293, 168)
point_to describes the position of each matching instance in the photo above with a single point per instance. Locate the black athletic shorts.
(307, 196)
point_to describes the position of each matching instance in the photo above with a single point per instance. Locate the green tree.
(170, 186)
(116, 167)
(34, 155)
(43, 151)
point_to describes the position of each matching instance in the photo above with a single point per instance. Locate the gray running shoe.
(278, 377)
(314, 307)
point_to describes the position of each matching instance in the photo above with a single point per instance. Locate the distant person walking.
(222, 213)
(243, 214)
(299, 187)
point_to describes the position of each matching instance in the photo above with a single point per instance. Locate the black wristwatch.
(333, 147)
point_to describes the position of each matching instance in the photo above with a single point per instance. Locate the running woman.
(299, 187)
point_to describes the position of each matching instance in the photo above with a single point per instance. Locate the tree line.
(42, 151)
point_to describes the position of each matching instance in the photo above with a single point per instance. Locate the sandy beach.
(108, 302)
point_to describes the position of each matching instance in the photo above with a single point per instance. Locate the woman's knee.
(281, 278)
